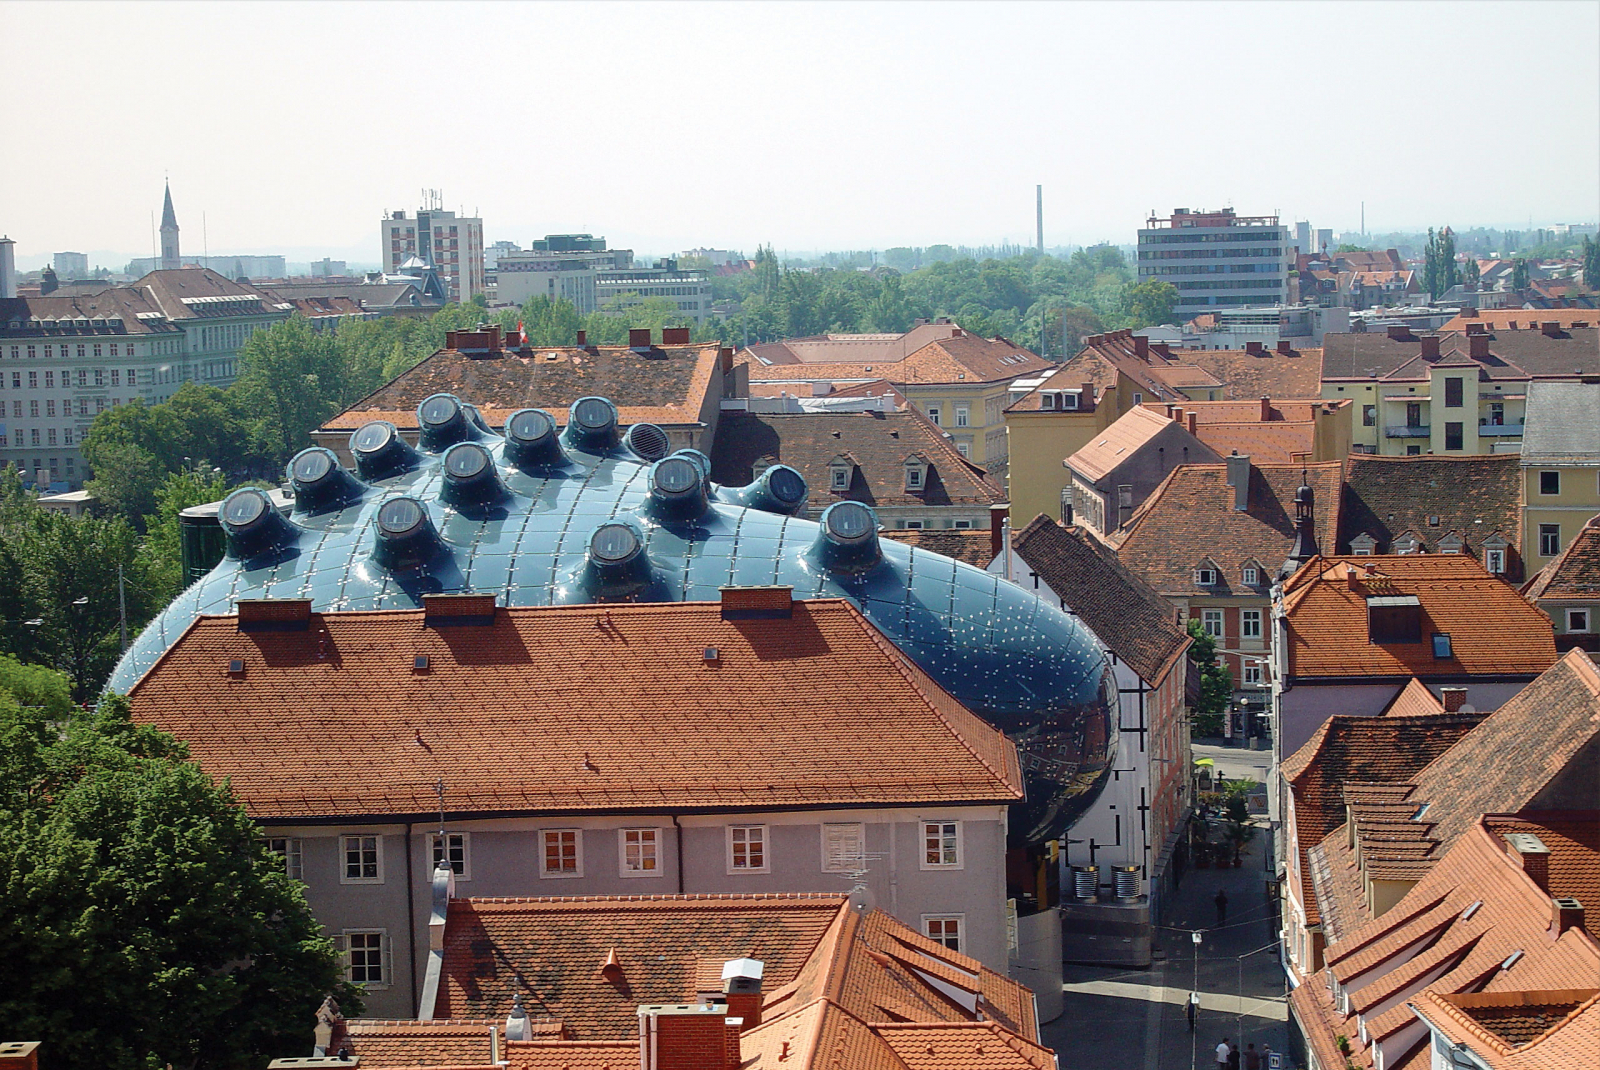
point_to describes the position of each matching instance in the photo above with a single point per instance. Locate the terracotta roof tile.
(444, 1042)
(963, 358)
(1575, 574)
(1126, 613)
(1240, 374)
(1131, 431)
(1472, 498)
(1287, 436)
(876, 443)
(1501, 319)
(963, 1046)
(660, 724)
(975, 546)
(1542, 1029)
(1492, 630)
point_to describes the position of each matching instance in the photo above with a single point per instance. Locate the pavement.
(1122, 1019)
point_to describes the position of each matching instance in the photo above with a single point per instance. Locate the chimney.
(1194, 422)
(1266, 408)
(1163, 349)
(1453, 698)
(1239, 480)
(674, 336)
(1477, 328)
(732, 1057)
(725, 359)
(684, 1036)
(1478, 345)
(1399, 332)
(19, 1054)
(1086, 399)
(583, 339)
(1285, 347)
(1350, 578)
(639, 338)
(1534, 857)
(1177, 414)
(1550, 328)
(8, 268)
(1430, 347)
(1141, 346)
(1565, 913)
(1469, 313)
(998, 514)
(517, 1025)
(1255, 349)
(758, 603)
(741, 984)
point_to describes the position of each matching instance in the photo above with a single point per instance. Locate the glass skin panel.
(1018, 661)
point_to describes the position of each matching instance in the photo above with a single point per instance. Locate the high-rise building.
(70, 266)
(451, 244)
(559, 266)
(1217, 259)
(170, 260)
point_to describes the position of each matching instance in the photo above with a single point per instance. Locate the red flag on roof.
(523, 332)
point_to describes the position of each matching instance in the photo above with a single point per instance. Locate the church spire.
(170, 258)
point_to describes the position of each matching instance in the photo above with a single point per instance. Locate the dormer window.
(1407, 544)
(913, 477)
(1494, 555)
(1363, 545)
(1250, 575)
(839, 474)
(1450, 544)
(1205, 576)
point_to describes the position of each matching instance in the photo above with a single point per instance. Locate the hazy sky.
(291, 127)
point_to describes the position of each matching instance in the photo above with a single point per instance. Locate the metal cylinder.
(1085, 881)
(1127, 881)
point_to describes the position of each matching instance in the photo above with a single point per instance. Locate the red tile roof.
(629, 713)
(1130, 433)
(1240, 374)
(975, 546)
(960, 357)
(1474, 499)
(1492, 630)
(1541, 1030)
(1575, 574)
(1502, 319)
(1287, 436)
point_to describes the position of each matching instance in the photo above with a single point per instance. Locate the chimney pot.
(1565, 913)
(1350, 575)
(1534, 857)
(1453, 698)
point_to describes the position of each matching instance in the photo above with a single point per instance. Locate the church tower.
(169, 235)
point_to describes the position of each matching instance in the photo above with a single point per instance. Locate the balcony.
(1486, 430)
(1406, 431)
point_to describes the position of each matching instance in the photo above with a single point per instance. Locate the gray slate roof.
(1563, 424)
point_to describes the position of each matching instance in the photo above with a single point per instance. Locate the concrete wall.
(505, 859)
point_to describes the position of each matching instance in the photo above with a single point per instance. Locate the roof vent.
(847, 539)
(274, 614)
(320, 484)
(380, 452)
(647, 441)
(236, 668)
(406, 535)
(442, 421)
(758, 603)
(531, 440)
(471, 482)
(780, 489)
(457, 610)
(618, 567)
(252, 526)
(591, 425)
(677, 490)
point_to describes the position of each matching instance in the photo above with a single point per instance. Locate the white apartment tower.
(1217, 260)
(452, 244)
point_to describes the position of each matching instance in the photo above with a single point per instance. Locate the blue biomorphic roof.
(591, 514)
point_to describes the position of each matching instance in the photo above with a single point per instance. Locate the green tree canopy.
(146, 923)
(1216, 682)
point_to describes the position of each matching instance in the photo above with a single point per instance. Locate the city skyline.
(844, 143)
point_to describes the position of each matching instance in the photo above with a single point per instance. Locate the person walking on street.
(1223, 1051)
(1190, 1007)
(1252, 1058)
(1233, 1059)
(1222, 908)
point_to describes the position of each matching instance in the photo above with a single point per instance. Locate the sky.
(292, 127)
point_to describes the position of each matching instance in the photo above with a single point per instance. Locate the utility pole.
(1038, 195)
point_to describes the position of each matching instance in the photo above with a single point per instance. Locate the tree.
(1439, 271)
(161, 553)
(1591, 263)
(294, 378)
(125, 478)
(1151, 302)
(147, 924)
(1519, 274)
(1469, 273)
(1216, 682)
(1346, 247)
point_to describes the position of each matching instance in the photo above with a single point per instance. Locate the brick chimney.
(1194, 422)
(1255, 349)
(1565, 913)
(583, 339)
(674, 336)
(1430, 347)
(1351, 578)
(1141, 346)
(685, 1036)
(1177, 414)
(1163, 349)
(1086, 399)
(1478, 345)
(1550, 328)
(741, 986)
(1266, 408)
(639, 338)
(1399, 332)
(1469, 313)
(19, 1054)
(1477, 328)
(1534, 857)
(1453, 698)
(1285, 347)
(998, 514)
(1239, 480)
(725, 359)
(1170, 408)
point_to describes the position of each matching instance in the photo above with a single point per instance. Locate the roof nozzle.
(471, 483)
(532, 440)
(320, 484)
(677, 490)
(591, 426)
(406, 535)
(847, 539)
(443, 420)
(647, 442)
(618, 565)
(780, 489)
(253, 526)
(380, 452)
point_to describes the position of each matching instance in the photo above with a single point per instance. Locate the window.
(561, 855)
(1211, 622)
(1549, 540)
(962, 415)
(1205, 577)
(964, 448)
(941, 845)
(640, 852)
(913, 477)
(1549, 482)
(944, 929)
(1413, 451)
(1494, 561)
(33, 408)
(1452, 392)
(1452, 436)
(1577, 620)
(1441, 645)
(1138, 399)
(289, 851)
(1369, 415)
(841, 477)
(1251, 576)
(747, 848)
(452, 847)
(1250, 623)
(50, 380)
(1252, 674)
(364, 956)
(33, 380)
(843, 846)
(962, 525)
(933, 413)
(363, 859)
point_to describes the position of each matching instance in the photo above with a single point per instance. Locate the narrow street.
(1121, 1019)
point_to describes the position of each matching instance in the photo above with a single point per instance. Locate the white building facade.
(453, 244)
(1217, 260)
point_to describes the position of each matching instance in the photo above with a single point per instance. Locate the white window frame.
(1200, 579)
(291, 853)
(344, 859)
(961, 525)
(933, 415)
(913, 525)
(965, 449)
(945, 921)
(949, 833)
(545, 872)
(745, 835)
(1250, 575)
(650, 837)
(1587, 616)
(913, 477)
(1494, 560)
(1247, 618)
(1252, 672)
(385, 959)
(465, 872)
(963, 416)
(1553, 535)
(840, 477)
(1209, 615)
(848, 857)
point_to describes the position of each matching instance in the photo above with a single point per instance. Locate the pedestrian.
(1266, 1057)
(1223, 1051)
(1190, 1007)
(1252, 1058)
(1233, 1059)
(1222, 908)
